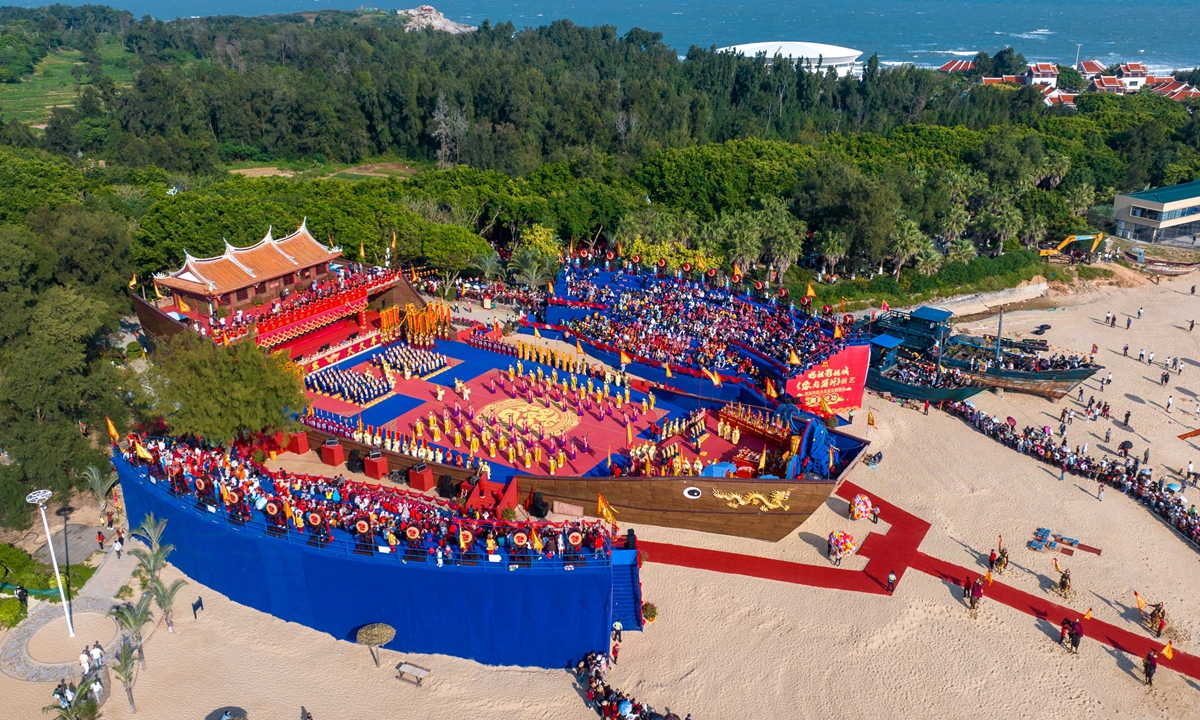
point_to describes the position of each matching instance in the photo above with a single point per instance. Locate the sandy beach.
(730, 646)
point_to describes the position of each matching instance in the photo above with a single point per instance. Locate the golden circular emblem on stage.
(520, 539)
(575, 538)
(362, 526)
(552, 419)
(412, 533)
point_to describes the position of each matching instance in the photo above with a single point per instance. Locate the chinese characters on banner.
(840, 380)
(341, 354)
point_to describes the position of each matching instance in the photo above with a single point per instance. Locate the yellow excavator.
(1058, 250)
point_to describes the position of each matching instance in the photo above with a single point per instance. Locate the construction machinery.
(1075, 255)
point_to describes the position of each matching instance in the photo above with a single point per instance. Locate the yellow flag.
(393, 241)
(157, 292)
(1056, 567)
(578, 347)
(142, 452)
(550, 288)
(667, 367)
(536, 334)
(604, 510)
(183, 306)
(843, 304)
(837, 332)
(112, 430)
(1168, 652)
(793, 358)
(133, 281)
(988, 577)
(1088, 614)
(536, 540)
(362, 252)
(811, 293)
(825, 406)
(871, 419)
(625, 359)
(1140, 602)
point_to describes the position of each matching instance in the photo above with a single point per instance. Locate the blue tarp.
(931, 314)
(531, 617)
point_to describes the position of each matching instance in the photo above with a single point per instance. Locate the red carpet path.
(896, 552)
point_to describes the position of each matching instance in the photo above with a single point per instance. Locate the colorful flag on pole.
(793, 358)
(825, 406)
(625, 359)
(112, 431)
(871, 419)
(157, 292)
(578, 347)
(1169, 651)
(771, 391)
(1140, 602)
(837, 332)
(536, 334)
(604, 510)
(142, 452)
(1088, 614)
(810, 293)
(667, 367)
(885, 306)
(1057, 569)
(133, 281)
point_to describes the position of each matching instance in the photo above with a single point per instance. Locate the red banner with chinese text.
(341, 354)
(840, 380)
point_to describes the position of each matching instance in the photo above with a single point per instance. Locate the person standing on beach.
(1128, 322)
(100, 539)
(1150, 666)
(1170, 401)
(1108, 436)
(892, 581)
(1100, 492)
(1142, 355)
(967, 589)
(1127, 414)
(1076, 635)
(1139, 313)
(976, 593)
(992, 560)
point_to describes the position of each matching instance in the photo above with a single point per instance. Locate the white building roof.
(829, 54)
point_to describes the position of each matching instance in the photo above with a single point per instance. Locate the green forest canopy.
(604, 138)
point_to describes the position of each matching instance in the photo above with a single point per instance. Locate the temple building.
(242, 278)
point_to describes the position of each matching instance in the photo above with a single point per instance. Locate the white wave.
(956, 53)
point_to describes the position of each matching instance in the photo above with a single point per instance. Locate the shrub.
(508, 514)
(259, 456)
(1086, 272)
(649, 610)
(11, 612)
(24, 570)
(133, 350)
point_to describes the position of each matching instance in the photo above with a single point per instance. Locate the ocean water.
(1164, 34)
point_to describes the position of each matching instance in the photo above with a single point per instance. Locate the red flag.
(885, 306)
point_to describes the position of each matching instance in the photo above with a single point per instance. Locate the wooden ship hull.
(661, 500)
(878, 382)
(1051, 383)
(1162, 267)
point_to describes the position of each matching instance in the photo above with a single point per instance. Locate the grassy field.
(52, 85)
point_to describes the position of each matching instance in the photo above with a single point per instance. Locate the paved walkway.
(95, 597)
(897, 551)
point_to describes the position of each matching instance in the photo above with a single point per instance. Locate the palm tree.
(928, 259)
(100, 485)
(164, 598)
(743, 237)
(1080, 197)
(153, 559)
(784, 234)
(81, 708)
(151, 530)
(904, 242)
(488, 264)
(961, 250)
(1005, 223)
(1035, 230)
(132, 618)
(954, 223)
(123, 668)
(524, 258)
(832, 245)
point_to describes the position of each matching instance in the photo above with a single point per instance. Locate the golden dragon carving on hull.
(775, 501)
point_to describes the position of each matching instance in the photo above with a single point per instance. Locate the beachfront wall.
(487, 613)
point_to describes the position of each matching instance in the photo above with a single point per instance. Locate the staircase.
(626, 590)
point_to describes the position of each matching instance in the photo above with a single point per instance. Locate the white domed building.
(843, 60)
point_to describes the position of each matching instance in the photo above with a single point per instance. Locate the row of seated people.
(350, 385)
(1125, 474)
(408, 522)
(410, 360)
(1027, 362)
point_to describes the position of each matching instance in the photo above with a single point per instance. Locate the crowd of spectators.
(1125, 473)
(923, 374)
(982, 359)
(414, 525)
(689, 324)
(608, 702)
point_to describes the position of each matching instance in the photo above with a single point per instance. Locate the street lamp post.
(39, 498)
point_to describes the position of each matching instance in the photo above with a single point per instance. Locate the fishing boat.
(1159, 266)
(887, 375)
(983, 359)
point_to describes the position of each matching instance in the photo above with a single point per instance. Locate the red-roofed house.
(260, 272)
(1090, 69)
(1003, 80)
(1108, 84)
(1055, 96)
(1132, 75)
(1042, 73)
(1176, 90)
(958, 66)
